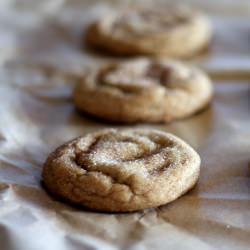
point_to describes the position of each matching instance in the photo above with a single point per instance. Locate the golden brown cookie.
(175, 31)
(143, 90)
(122, 170)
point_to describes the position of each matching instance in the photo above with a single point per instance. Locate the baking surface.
(41, 52)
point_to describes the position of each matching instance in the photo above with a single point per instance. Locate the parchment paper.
(41, 53)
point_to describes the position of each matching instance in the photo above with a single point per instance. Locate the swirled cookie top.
(143, 73)
(121, 154)
(142, 22)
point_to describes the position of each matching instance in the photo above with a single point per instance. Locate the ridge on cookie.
(122, 170)
(173, 30)
(143, 90)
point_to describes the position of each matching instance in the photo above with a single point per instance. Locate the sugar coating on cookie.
(176, 31)
(143, 90)
(122, 170)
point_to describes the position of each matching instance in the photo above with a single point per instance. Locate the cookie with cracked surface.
(143, 90)
(175, 31)
(122, 170)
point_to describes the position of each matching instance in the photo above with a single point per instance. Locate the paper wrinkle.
(42, 56)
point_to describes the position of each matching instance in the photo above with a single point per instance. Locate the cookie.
(143, 90)
(173, 31)
(122, 170)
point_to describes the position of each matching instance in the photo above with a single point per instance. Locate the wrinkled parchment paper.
(41, 53)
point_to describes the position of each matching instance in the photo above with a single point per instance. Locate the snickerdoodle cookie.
(175, 31)
(122, 170)
(143, 90)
